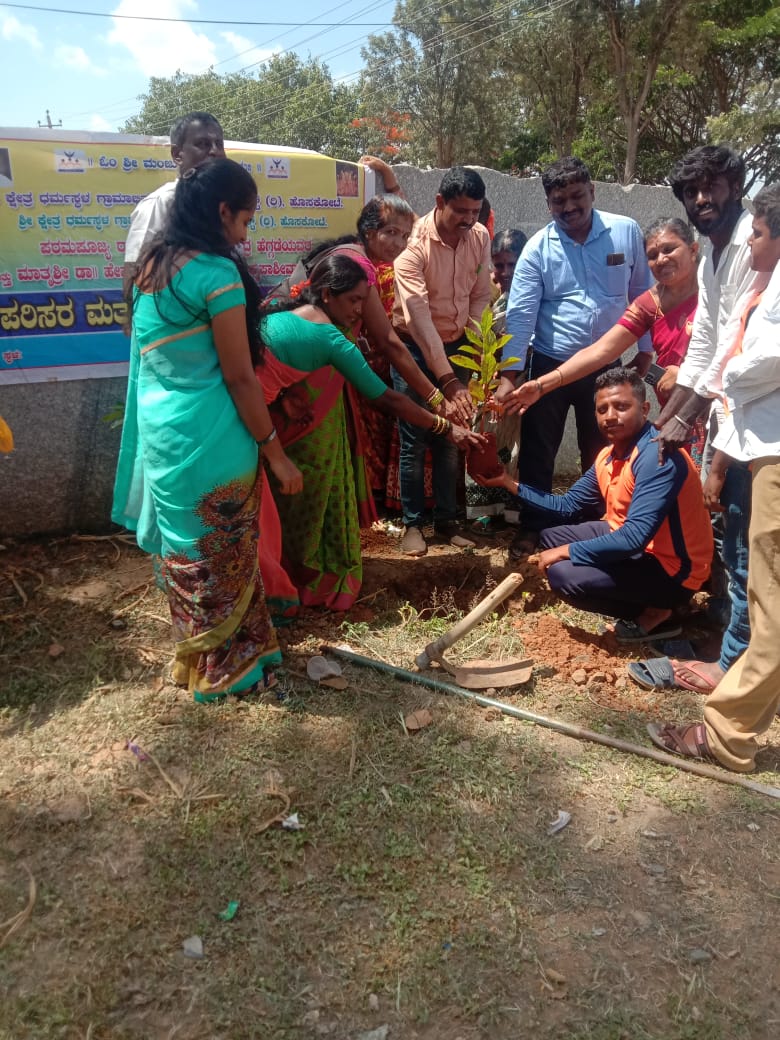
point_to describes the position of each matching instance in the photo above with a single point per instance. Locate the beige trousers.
(743, 705)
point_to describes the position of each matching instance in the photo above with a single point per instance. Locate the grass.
(424, 892)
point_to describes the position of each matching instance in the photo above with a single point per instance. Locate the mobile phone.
(653, 374)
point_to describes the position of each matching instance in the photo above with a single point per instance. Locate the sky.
(89, 72)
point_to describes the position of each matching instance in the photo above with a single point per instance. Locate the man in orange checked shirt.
(442, 279)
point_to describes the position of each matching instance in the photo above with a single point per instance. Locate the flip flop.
(686, 741)
(632, 632)
(707, 685)
(656, 673)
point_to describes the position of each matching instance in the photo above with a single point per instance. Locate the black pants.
(621, 589)
(542, 431)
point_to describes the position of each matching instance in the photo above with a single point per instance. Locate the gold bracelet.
(435, 397)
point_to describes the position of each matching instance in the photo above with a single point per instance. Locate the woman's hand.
(287, 473)
(458, 406)
(520, 400)
(295, 403)
(464, 439)
(668, 381)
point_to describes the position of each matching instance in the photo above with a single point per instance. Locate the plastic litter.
(563, 819)
(292, 823)
(230, 910)
(318, 668)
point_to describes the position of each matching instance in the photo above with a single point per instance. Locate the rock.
(699, 956)
(600, 677)
(381, 1033)
(579, 677)
(193, 948)
(373, 1002)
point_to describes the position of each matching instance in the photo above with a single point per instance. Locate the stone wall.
(60, 477)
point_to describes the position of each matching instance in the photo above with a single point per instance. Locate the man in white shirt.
(195, 138)
(709, 181)
(745, 702)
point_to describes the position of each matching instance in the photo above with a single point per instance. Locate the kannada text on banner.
(65, 206)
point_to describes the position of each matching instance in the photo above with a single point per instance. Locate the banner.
(65, 206)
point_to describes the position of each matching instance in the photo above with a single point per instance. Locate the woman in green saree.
(196, 422)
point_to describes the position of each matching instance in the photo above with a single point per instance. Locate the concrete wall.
(60, 477)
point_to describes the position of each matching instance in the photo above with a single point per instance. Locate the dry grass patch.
(423, 894)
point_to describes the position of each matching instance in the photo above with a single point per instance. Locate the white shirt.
(723, 296)
(751, 381)
(147, 219)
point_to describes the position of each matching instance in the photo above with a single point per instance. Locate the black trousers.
(621, 589)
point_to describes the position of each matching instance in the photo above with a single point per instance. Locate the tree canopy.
(629, 85)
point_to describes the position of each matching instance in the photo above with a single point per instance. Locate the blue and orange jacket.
(652, 508)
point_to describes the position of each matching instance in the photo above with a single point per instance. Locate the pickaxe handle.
(434, 650)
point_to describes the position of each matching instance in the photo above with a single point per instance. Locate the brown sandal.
(687, 741)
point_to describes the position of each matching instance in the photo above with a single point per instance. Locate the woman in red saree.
(666, 311)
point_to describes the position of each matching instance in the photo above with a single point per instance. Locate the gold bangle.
(435, 397)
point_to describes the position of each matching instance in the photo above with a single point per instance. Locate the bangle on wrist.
(682, 422)
(539, 387)
(435, 398)
(445, 380)
(561, 377)
(441, 426)
(267, 440)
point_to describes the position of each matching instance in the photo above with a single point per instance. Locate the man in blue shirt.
(573, 281)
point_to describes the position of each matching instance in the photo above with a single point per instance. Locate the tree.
(639, 32)
(436, 67)
(288, 102)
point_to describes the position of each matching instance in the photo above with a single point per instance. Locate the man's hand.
(506, 385)
(712, 488)
(671, 437)
(502, 480)
(458, 406)
(641, 361)
(550, 556)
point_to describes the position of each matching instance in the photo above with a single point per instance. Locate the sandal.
(633, 632)
(705, 686)
(656, 673)
(523, 544)
(686, 741)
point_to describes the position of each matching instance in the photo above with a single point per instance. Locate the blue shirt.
(565, 296)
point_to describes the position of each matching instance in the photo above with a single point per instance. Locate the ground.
(424, 898)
